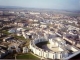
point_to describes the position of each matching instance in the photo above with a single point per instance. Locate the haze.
(50, 4)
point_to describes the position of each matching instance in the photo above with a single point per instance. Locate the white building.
(25, 50)
(61, 53)
(43, 26)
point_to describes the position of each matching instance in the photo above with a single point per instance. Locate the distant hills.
(9, 7)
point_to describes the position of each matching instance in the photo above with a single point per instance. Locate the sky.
(50, 4)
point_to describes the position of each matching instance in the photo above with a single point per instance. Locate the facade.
(25, 50)
(61, 54)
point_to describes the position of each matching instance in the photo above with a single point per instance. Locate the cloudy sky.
(51, 4)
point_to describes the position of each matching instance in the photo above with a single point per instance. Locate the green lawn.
(6, 32)
(22, 38)
(19, 37)
(27, 56)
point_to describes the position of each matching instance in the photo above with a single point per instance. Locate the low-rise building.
(25, 49)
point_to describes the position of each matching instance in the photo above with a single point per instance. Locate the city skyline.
(49, 4)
